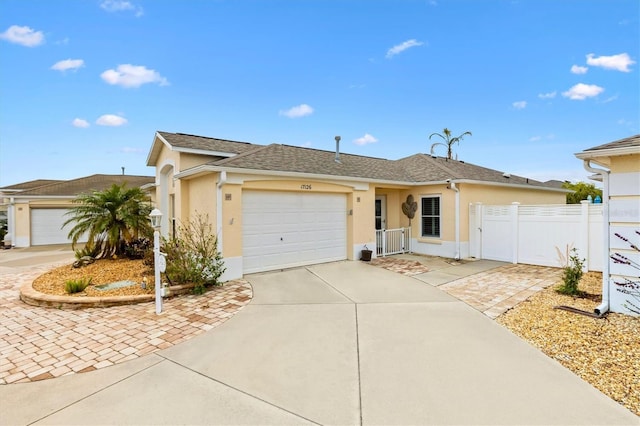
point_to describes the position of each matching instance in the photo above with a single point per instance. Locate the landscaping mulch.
(102, 271)
(602, 351)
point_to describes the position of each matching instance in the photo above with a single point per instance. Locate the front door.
(381, 212)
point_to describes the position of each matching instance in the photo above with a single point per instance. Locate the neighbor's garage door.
(286, 229)
(46, 227)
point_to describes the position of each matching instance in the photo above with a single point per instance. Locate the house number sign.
(305, 186)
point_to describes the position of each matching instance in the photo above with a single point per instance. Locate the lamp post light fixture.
(158, 258)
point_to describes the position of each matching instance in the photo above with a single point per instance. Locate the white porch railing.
(393, 241)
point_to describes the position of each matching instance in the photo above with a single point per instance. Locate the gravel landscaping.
(103, 271)
(602, 351)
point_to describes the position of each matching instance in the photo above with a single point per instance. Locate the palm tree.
(448, 141)
(111, 218)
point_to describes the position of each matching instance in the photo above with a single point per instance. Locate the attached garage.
(46, 227)
(288, 229)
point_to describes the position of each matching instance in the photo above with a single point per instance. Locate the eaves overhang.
(207, 168)
(611, 152)
(152, 158)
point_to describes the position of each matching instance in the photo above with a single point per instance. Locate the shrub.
(572, 275)
(76, 286)
(91, 249)
(193, 256)
(138, 248)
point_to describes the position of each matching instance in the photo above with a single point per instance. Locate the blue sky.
(84, 84)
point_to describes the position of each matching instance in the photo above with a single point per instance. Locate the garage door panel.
(46, 227)
(283, 230)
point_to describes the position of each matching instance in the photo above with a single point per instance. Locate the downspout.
(603, 307)
(221, 181)
(453, 186)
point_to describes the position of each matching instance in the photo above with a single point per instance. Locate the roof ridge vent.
(506, 175)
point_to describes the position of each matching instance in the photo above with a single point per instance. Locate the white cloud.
(297, 111)
(128, 75)
(610, 99)
(619, 62)
(582, 91)
(111, 120)
(577, 69)
(121, 6)
(68, 64)
(23, 35)
(79, 122)
(535, 138)
(549, 95)
(398, 48)
(520, 104)
(131, 150)
(366, 139)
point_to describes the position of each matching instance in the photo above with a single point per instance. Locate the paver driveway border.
(368, 347)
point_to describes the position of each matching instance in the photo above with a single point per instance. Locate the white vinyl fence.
(393, 241)
(537, 234)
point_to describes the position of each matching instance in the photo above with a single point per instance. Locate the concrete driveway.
(341, 343)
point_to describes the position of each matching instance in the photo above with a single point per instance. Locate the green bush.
(76, 286)
(91, 249)
(193, 256)
(138, 248)
(572, 275)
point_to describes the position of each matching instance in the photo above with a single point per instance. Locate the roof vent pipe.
(338, 148)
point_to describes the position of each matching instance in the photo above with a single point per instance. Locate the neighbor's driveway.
(341, 343)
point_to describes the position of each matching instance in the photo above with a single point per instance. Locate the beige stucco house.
(617, 166)
(276, 206)
(36, 209)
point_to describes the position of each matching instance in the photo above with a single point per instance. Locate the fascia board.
(27, 198)
(208, 168)
(511, 185)
(611, 152)
(155, 149)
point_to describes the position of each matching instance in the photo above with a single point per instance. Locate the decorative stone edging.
(30, 296)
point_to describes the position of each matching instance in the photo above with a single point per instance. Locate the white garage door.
(46, 227)
(287, 229)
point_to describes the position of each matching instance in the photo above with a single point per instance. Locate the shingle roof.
(632, 141)
(418, 168)
(425, 168)
(201, 143)
(97, 182)
(285, 158)
(414, 169)
(29, 185)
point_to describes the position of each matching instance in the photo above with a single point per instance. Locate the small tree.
(572, 274)
(581, 191)
(448, 141)
(111, 218)
(193, 256)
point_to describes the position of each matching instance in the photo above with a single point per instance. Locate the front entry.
(381, 212)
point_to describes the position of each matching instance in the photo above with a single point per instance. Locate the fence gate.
(393, 241)
(537, 234)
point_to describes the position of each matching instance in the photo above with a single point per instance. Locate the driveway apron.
(342, 343)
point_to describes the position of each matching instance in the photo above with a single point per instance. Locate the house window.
(431, 216)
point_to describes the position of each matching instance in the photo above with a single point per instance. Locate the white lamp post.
(156, 216)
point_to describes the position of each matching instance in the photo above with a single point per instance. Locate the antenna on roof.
(122, 170)
(338, 148)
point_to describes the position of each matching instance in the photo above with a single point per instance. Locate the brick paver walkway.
(41, 343)
(492, 292)
(496, 291)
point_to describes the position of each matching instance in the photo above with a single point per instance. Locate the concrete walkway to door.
(342, 343)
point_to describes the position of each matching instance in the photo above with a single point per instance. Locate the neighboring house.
(279, 206)
(621, 200)
(36, 210)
